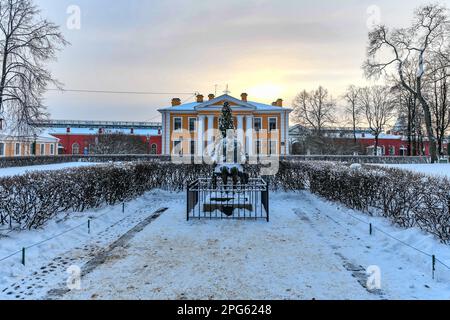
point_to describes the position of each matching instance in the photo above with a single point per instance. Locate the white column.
(282, 131)
(200, 135)
(288, 143)
(163, 133)
(166, 134)
(240, 130)
(210, 129)
(249, 134)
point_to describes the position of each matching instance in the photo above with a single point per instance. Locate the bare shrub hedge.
(407, 199)
(29, 200)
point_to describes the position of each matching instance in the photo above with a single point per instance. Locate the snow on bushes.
(28, 201)
(408, 199)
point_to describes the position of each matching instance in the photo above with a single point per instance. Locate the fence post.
(187, 203)
(370, 229)
(123, 207)
(23, 256)
(89, 226)
(434, 264)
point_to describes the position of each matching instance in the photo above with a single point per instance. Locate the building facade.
(80, 137)
(201, 118)
(389, 144)
(20, 146)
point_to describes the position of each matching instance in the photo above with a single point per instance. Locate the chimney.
(132, 130)
(200, 98)
(68, 130)
(279, 103)
(176, 102)
(274, 104)
(211, 96)
(244, 97)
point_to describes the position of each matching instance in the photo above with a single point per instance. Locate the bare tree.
(437, 92)
(428, 36)
(351, 96)
(378, 107)
(314, 109)
(119, 143)
(27, 43)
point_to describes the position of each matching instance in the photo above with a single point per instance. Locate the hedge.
(407, 199)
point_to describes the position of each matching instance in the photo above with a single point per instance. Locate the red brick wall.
(83, 141)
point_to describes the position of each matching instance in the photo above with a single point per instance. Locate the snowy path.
(310, 249)
(436, 169)
(6, 172)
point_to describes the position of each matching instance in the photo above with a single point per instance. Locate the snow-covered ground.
(437, 169)
(5, 172)
(311, 249)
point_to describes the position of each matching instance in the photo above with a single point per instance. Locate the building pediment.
(217, 104)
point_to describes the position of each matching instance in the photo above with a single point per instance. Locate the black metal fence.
(210, 198)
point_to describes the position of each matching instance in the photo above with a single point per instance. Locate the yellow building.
(257, 124)
(19, 146)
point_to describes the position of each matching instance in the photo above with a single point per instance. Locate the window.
(177, 124)
(192, 124)
(17, 149)
(392, 151)
(257, 124)
(154, 149)
(75, 148)
(192, 147)
(177, 148)
(403, 151)
(273, 147)
(272, 124)
(2, 149)
(42, 149)
(52, 149)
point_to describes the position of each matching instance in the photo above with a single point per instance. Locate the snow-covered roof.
(381, 136)
(42, 136)
(92, 131)
(198, 106)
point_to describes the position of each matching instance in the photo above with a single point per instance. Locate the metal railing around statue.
(209, 198)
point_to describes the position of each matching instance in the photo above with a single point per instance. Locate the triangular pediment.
(219, 102)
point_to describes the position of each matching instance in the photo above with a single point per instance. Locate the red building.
(79, 137)
(388, 144)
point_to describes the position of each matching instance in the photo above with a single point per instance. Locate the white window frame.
(42, 149)
(17, 154)
(393, 149)
(276, 124)
(189, 124)
(277, 147)
(3, 154)
(260, 124)
(174, 120)
(52, 149)
(155, 148)
(75, 143)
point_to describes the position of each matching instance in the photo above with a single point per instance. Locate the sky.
(268, 48)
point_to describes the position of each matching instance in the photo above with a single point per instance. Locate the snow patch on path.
(7, 172)
(310, 249)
